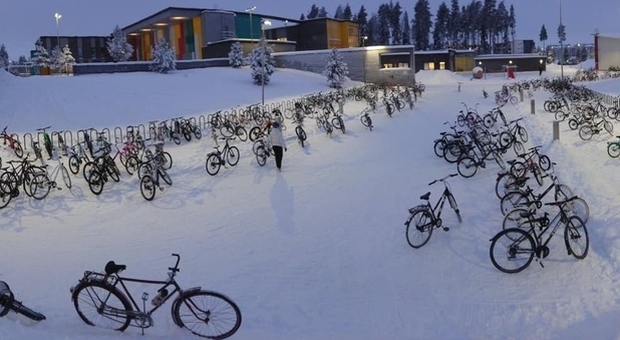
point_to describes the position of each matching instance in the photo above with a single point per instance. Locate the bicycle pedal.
(446, 229)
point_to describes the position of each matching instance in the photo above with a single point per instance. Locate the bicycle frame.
(165, 284)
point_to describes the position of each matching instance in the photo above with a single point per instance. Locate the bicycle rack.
(118, 134)
(26, 136)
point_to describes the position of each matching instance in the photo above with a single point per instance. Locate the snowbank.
(438, 77)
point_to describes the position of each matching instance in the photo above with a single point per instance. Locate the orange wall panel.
(198, 37)
(177, 36)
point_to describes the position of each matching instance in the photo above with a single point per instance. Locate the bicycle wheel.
(96, 182)
(544, 162)
(99, 304)
(232, 156)
(74, 164)
(585, 132)
(518, 147)
(164, 175)
(39, 186)
(438, 147)
(613, 150)
(301, 134)
(213, 164)
(131, 164)
(366, 121)
(65, 176)
(147, 187)
(241, 133)
(255, 133)
(467, 167)
(515, 246)
(166, 160)
(579, 207)
(337, 123)
(455, 207)
(197, 133)
(502, 184)
(513, 199)
(513, 219)
(17, 149)
(207, 314)
(576, 238)
(538, 175)
(88, 168)
(261, 156)
(573, 124)
(488, 121)
(420, 232)
(522, 132)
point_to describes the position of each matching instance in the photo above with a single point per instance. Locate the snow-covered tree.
(336, 69)
(118, 47)
(235, 55)
(164, 59)
(22, 60)
(57, 61)
(41, 58)
(69, 60)
(4, 57)
(256, 61)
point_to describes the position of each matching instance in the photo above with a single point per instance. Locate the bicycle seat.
(113, 268)
(426, 196)
(527, 213)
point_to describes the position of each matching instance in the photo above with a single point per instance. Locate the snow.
(317, 251)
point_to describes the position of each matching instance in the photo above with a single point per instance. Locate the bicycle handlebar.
(175, 269)
(442, 179)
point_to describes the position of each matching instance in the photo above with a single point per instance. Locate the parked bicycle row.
(533, 212)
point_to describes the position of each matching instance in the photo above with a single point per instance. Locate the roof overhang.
(165, 16)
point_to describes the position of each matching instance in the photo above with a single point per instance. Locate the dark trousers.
(277, 151)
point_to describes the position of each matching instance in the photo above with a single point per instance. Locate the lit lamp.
(264, 24)
(57, 16)
(250, 10)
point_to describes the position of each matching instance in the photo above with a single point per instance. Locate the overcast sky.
(23, 21)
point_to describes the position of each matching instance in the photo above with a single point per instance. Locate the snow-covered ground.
(317, 251)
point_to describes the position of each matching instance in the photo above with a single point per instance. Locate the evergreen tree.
(440, 31)
(118, 47)
(561, 33)
(372, 30)
(383, 28)
(41, 57)
(501, 27)
(346, 13)
(422, 24)
(302, 17)
(584, 54)
(69, 60)
(487, 32)
(314, 12)
(542, 36)
(22, 60)
(57, 61)
(336, 69)
(339, 14)
(235, 56)
(322, 12)
(256, 62)
(164, 59)
(4, 57)
(454, 24)
(395, 28)
(512, 24)
(406, 29)
(362, 21)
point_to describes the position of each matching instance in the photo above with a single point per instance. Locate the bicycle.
(42, 183)
(12, 142)
(365, 119)
(217, 158)
(47, 141)
(150, 180)
(530, 243)
(8, 303)
(430, 217)
(116, 302)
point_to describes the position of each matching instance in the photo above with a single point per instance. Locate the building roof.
(508, 56)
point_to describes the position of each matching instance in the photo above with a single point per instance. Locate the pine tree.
(372, 30)
(57, 60)
(322, 12)
(543, 36)
(406, 29)
(314, 12)
(118, 47)
(512, 24)
(454, 24)
(22, 60)
(302, 17)
(235, 56)
(256, 62)
(339, 14)
(164, 59)
(440, 31)
(346, 13)
(336, 69)
(41, 57)
(362, 21)
(394, 18)
(561, 33)
(383, 28)
(4, 57)
(422, 25)
(69, 60)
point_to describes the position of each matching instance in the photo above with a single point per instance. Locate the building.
(85, 49)
(197, 33)
(520, 46)
(606, 51)
(452, 60)
(493, 63)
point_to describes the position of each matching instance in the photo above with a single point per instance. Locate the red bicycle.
(12, 142)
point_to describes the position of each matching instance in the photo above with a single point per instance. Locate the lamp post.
(250, 10)
(561, 45)
(264, 24)
(57, 16)
(364, 55)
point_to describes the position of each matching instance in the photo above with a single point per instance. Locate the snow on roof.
(508, 56)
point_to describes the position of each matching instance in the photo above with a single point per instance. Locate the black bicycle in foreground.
(103, 300)
(8, 304)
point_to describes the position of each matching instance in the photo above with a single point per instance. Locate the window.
(429, 66)
(442, 65)
(395, 60)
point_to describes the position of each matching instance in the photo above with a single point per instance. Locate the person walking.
(277, 143)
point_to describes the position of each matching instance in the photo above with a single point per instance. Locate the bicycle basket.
(6, 298)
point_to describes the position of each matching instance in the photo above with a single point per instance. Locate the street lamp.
(57, 16)
(364, 55)
(250, 10)
(264, 24)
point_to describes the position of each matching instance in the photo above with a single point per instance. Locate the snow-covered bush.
(69, 60)
(235, 56)
(118, 47)
(256, 61)
(164, 59)
(4, 57)
(336, 69)
(41, 57)
(57, 61)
